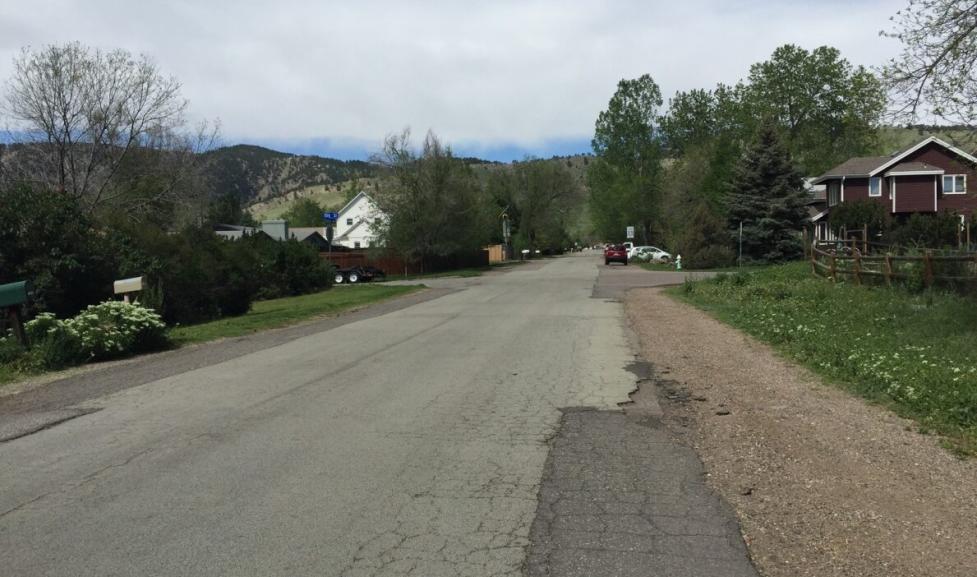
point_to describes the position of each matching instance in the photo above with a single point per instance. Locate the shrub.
(107, 330)
(48, 239)
(712, 256)
(927, 230)
(287, 268)
(54, 343)
(115, 328)
(856, 214)
(10, 350)
(193, 275)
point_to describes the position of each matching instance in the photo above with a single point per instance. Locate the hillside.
(255, 174)
(334, 194)
(892, 138)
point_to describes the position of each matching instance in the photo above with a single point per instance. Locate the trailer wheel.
(354, 278)
(340, 279)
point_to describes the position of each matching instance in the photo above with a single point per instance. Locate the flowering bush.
(103, 331)
(115, 328)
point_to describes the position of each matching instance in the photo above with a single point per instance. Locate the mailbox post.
(12, 297)
(127, 286)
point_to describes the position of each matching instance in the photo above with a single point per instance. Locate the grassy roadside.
(914, 353)
(266, 315)
(287, 311)
(462, 272)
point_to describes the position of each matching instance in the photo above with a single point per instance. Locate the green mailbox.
(14, 294)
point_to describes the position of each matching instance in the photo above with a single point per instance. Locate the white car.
(649, 254)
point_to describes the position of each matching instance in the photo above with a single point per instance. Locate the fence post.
(888, 269)
(927, 269)
(834, 275)
(858, 269)
(865, 239)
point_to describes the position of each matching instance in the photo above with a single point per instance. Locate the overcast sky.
(495, 79)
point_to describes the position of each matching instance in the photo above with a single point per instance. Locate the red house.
(928, 177)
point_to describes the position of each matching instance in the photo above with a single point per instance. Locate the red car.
(616, 253)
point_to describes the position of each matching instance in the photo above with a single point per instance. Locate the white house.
(356, 226)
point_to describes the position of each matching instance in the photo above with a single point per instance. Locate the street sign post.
(330, 218)
(630, 232)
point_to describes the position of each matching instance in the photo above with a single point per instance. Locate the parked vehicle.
(616, 253)
(358, 274)
(650, 254)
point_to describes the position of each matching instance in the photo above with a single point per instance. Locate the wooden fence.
(854, 259)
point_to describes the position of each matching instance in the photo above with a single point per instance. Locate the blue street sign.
(330, 215)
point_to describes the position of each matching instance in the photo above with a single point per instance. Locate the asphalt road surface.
(416, 442)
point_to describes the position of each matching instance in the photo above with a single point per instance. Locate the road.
(417, 442)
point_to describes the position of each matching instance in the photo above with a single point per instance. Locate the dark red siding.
(857, 189)
(936, 155)
(914, 194)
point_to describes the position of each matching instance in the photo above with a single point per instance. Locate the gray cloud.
(485, 73)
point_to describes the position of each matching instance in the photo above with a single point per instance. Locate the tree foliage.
(828, 109)
(625, 181)
(304, 212)
(936, 72)
(105, 127)
(857, 214)
(541, 199)
(766, 196)
(435, 207)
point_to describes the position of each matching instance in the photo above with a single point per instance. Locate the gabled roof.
(303, 232)
(354, 200)
(858, 166)
(898, 157)
(912, 168)
(865, 166)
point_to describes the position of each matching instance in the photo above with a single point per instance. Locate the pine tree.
(766, 196)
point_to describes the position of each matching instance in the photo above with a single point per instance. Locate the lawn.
(286, 311)
(462, 272)
(913, 352)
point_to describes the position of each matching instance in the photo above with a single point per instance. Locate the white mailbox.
(128, 285)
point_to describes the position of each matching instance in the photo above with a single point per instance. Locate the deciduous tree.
(936, 72)
(105, 127)
(625, 182)
(434, 206)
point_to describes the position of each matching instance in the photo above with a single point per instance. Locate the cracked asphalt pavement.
(416, 442)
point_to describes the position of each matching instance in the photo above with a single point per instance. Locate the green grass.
(8, 374)
(916, 353)
(462, 272)
(287, 311)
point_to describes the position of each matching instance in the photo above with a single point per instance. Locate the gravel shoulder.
(823, 483)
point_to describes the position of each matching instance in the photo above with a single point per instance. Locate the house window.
(954, 184)
(356, 244)
(349, 222)
(875, 186)
(834, 193)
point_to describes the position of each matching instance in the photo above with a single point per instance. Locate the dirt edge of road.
(823, 483)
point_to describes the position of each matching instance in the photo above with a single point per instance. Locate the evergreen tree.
(766, 196)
